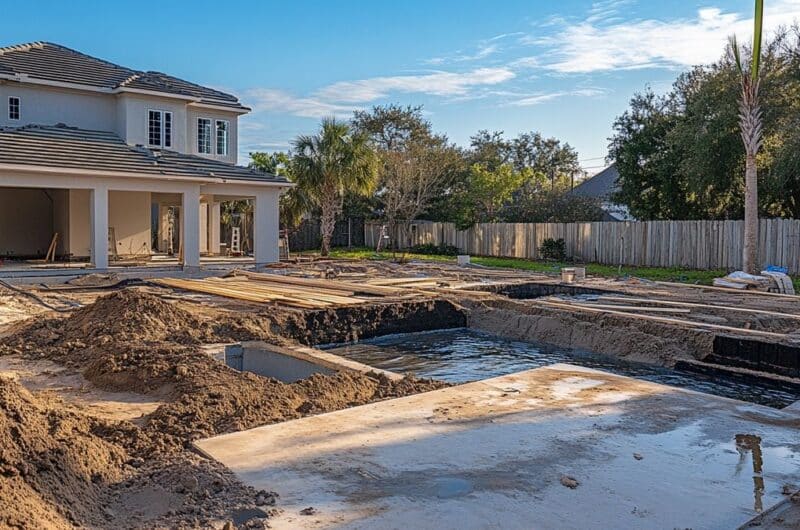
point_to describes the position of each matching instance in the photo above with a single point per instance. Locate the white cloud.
(544, 97)
(437, 84)
(268, 99)
(525, 62)
(601, 43)
(484, 49)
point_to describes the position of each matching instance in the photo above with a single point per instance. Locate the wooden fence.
(685, 244)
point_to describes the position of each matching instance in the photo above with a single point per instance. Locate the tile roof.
(53, 62)
(68, 147)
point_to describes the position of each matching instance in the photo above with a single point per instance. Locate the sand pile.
(227, 401)
(131, 316)
(53, 468)
(64, 470)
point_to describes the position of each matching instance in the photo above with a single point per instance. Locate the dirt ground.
(98, 410)
(99, 405)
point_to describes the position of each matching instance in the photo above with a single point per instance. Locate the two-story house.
(99, 153)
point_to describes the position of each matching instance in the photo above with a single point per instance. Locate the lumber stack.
(304, 293)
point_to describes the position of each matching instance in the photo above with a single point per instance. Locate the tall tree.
(393, 127)
(681, 155)
(487, 192)
(545, 156)
(330, 163)
(417, 165)
(751, 126)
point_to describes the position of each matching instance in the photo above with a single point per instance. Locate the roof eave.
(241, 109)
(30, 168)
(157, 93)
(25, 78)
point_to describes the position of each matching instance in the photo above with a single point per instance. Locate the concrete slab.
(555, 447)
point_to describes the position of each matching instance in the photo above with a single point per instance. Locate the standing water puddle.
(463, 355)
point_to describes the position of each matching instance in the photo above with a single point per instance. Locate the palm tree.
(750, 125)
(328, 164)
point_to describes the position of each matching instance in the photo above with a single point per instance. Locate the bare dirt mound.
(230, 401)
(65, 470)
(53, 468)
(130, 316)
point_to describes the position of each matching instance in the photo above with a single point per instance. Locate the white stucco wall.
(79, 238)
(129, 215)
(41, 105)
(193, 114)
(126, 114)
(132, 115)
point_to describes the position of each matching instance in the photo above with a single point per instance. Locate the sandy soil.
(97, 420)
(98, 406)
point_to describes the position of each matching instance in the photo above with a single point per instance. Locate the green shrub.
(430, 249)
(554, 249)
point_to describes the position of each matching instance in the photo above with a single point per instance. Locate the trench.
(463, 355)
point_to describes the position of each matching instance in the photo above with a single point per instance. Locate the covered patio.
(92, 201)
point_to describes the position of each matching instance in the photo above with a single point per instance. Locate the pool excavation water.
(464, 355)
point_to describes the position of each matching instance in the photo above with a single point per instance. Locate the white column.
(213, 228)
(190, 227)
(203, 232)
(265, 226)
(98, 220)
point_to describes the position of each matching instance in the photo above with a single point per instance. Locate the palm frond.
(736, 55)
(758, 21)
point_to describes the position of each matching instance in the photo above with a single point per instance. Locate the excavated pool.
(463, 355)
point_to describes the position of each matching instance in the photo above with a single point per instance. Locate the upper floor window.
(159, 128)
(13, 108)
(223, 127)
(204, 136)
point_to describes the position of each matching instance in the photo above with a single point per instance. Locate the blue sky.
(566, 68)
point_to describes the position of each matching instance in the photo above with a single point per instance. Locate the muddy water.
(462, 355)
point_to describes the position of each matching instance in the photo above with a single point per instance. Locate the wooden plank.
(727, 289)
(693, 304)
(210, 288)
(290, 292)
(310, 282)
(294, 288)
(402, 281)
(633, 308)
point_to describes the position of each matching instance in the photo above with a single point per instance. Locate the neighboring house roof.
(53, 62)
(72, 148)
(601, 186)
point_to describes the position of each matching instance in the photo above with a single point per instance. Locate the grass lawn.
(651, 273)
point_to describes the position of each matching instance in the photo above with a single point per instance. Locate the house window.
(159, 128)
(167, 129)
(13, 108)
(222, 137)
(204, 136)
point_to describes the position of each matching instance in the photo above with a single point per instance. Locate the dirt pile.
(228, 401)
(53, 468)
(65, 470)
(137, 317)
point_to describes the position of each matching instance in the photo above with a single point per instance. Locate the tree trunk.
(331, 206)
(327, 226)
(750, 248)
